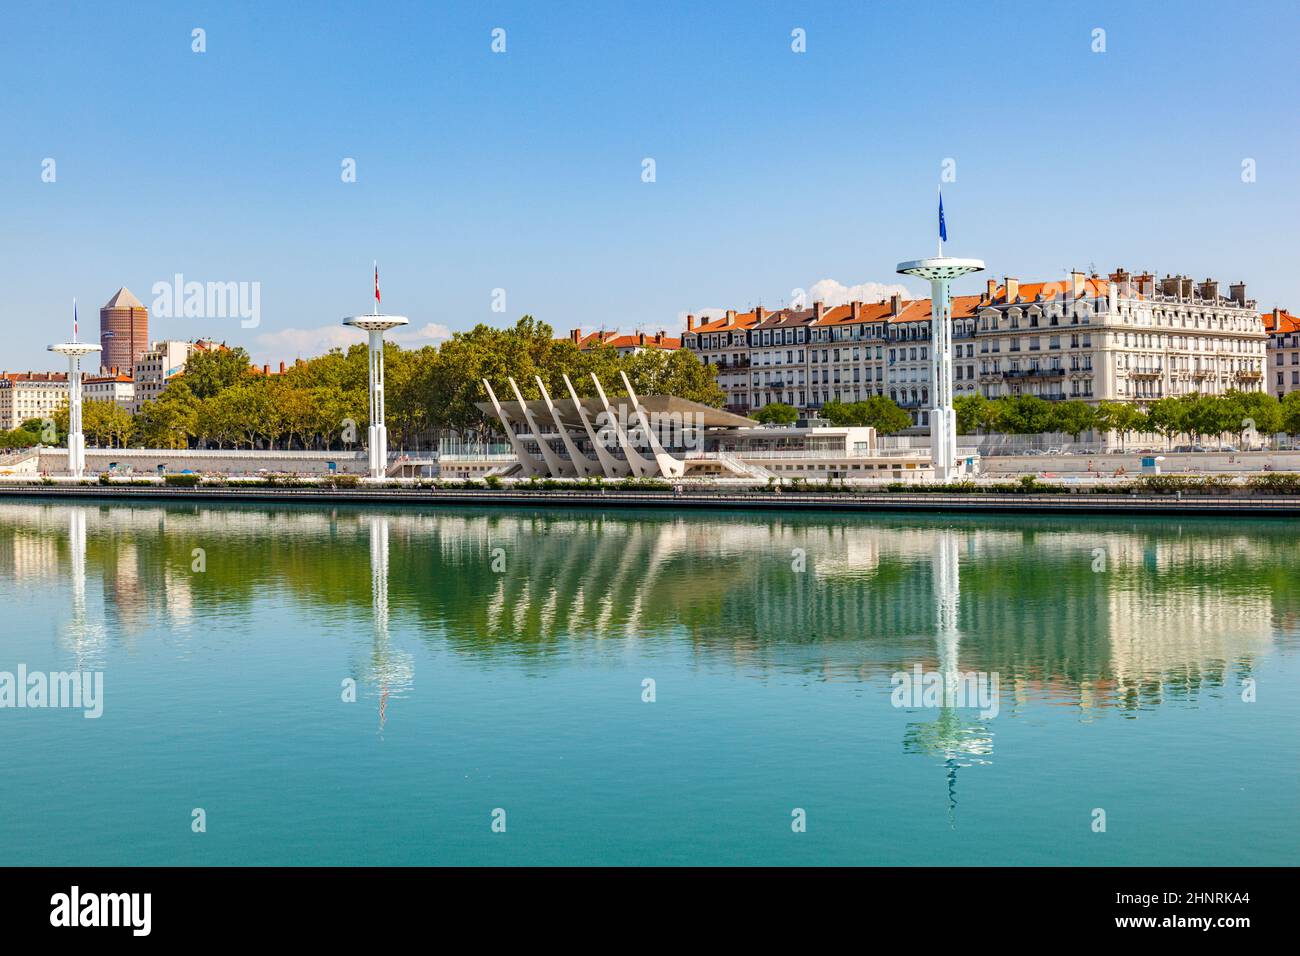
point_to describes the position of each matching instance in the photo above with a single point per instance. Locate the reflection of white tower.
(392, 670)
(84, 637)
(76, 441)
(943, 418)
(376, 325)
(947, 591)
(958, 743)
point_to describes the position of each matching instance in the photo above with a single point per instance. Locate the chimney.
(690, 323)
(1169, 285)
(266, 369)
(855, 310)
(895, 304)
(1210, 290)
(575, 336)
(760, 313)
(640, 338)
(818, 309)
(1076, 283)
(731, 316)
(991, 289)
(1013, 290)
(1238, 290)
(281, 368)
(1146, 284)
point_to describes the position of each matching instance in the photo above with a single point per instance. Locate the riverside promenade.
(1062, 501)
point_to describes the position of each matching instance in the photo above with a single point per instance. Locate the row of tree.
(220, 401)
(878, 412)
(1196, 416)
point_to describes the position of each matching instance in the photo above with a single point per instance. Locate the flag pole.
(375, 307)
(940, 189)
(74, 318)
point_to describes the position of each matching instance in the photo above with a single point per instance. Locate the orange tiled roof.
(1093, 287)
(108, 378)
(34, 376)
(915, 310)
(621, 340)
(1283, 322)
(742, 320)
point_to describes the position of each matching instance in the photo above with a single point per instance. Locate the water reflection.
(1179, 610)
(390, 670)
(957, 741)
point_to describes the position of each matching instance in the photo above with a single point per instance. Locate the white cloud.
(834, 293)
(289, 344)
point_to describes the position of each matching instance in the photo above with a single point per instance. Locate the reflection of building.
(1178, 606)
(123, 330)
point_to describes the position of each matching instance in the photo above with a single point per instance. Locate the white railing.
(211, 453)
(456, 459)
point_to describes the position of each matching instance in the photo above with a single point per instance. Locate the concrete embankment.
(1079, 502)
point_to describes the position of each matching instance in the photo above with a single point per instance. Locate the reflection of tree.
(1180, 607)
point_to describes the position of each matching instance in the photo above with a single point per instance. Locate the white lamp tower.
(376, 325)
(940, 271)
(74, 350)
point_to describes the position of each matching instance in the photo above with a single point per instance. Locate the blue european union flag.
(943, 227)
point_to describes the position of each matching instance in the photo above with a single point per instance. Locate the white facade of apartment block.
(1126, 338)
(31, 395)
(109, 388)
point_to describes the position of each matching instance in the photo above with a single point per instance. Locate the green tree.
(1073, 417)
(207, 373)
(1289, 414)
(776, 413)
(1122, 418)
(677, 372)
(170, 420)
(971, 411)
(1165, 416)
(1026, 415)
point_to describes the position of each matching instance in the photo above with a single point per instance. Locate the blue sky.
(522, 171)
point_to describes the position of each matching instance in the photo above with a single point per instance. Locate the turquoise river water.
(629, 687)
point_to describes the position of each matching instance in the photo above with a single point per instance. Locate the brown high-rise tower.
(123, 330)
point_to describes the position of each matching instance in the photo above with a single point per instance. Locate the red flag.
(377, 284)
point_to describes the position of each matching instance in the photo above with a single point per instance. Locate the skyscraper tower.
(123, 331)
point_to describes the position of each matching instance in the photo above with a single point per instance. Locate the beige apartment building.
(1126, 338)
(112, 386)
(1123, 338)
(26, 395)
(1283, 376)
